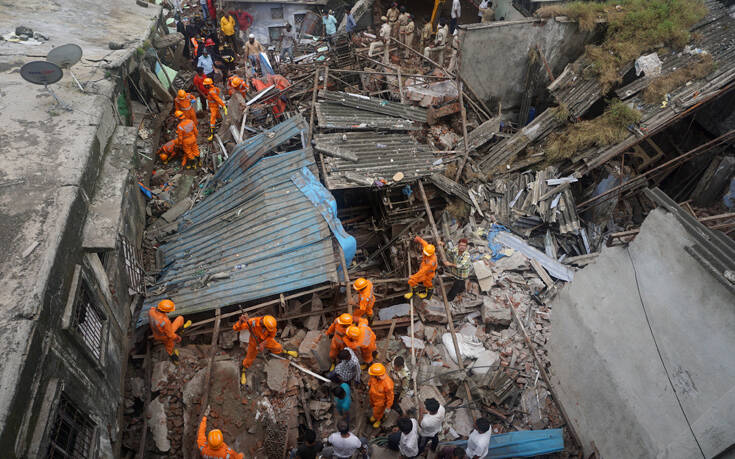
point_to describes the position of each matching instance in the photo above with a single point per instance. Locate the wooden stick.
(348, 287)
(148, 372)
(447, 308)
(210, 364)
(463, 112)
(410, 302)
(543, 372)
(384, 349)
(313, 103)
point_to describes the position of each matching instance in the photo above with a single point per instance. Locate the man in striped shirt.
(458, 264)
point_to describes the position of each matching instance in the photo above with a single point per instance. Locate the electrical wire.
(658, 350)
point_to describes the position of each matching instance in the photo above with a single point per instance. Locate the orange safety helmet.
(166, 306)
(376, 369)
(235, 82)
(353, 332)
(181, 93)
(344, 319)
(360, 283)
(164, 157)
(429, 250)
(270, 322)
(214, 439)
(208, 82)
(179, 114)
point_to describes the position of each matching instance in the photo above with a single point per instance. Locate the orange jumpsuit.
(163, 329)
(186, 105)
(365, 343)
(187, 133)
(242, 89)
(206, 452)
(381, 395)
(215, 102)
(425, 274)
(367, 300)
(338, 343)
(258, 334)
(168, 149)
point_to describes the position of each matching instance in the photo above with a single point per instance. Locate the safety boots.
(175, 357)
(426, 294)
(211, 134)
(409, 295)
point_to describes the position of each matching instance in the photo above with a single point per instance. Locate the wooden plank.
(541, 272)
(210, 364)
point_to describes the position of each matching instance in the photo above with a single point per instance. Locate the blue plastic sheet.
(496, 247)
(266, 65)
(522, 443)
(327, 206)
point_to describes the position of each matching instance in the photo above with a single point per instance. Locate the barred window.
(71, 433)
(88, 321)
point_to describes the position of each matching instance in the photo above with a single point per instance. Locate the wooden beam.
(348, 287)
(210, 364)
(463, 112)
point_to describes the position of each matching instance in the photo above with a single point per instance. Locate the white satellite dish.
(65, 56)
(43, 73)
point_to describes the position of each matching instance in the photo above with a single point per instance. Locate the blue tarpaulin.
(522, 443)
(327, 206)
(496, 247)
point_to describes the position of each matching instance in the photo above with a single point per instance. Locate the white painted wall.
(262, 19)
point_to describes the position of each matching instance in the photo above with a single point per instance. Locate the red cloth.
(199, 84)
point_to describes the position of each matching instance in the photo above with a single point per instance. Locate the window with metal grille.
(88, 321)
(274, 33)
(136, 275)
(298, 19)
(71, 433)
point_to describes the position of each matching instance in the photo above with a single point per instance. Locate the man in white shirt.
(479, 441)
(288, 42)
(405, 438)
(431, 424)
(344, 443)
(455, 15)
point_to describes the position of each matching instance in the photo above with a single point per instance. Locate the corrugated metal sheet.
(256, 235)
(379, 156)
(382, 106)
(336, 116)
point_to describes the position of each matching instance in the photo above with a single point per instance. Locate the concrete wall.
(606, 364)
(262, 19)
(495, 55)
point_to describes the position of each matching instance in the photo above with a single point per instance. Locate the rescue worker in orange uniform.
(366, 301)
(236, 84)
(338, 329)
(163, 329)
(185, 103)
(425, 274)
(212, 445)
(362, 338)
(215, 102)
(186, 137)
(262, 336)
(380, 392)
(168, 151)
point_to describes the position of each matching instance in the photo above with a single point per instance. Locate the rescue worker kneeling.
(163, 330)
(186, 137)
(168, 150)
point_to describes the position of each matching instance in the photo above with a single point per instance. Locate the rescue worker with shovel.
(262, 336)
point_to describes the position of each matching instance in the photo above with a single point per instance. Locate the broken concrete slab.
(227, 339)
(157, 425)
(397, 310)
(314, 351)
(485, 361)
(462, 422)
(495, 313)
(312, 322)
(433, 311)
(159, 375)
(484, 275)
(177, 210)
(277, 374)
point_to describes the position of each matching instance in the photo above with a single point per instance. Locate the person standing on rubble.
(205, 62)
(344, 444)
(342, 400)
(478, 443)
(214, 101)
(459, 265)
(227, 26)
(347, 369)
(262, 336)
(338, 329)
(366, 301)
(425, 274)
(309, 449)
(392, 15)
(226, 62)
(212, 445)
(205, 9)
(385, 31)
(253, 48)
(350, 25)
(440, 42)
(330, 26)
(410, 30)
(432, 422)
(288, 42)
(380, 392)
(403, 19)
(164, 331)
(361, 338)
(186, 137)
(405, 438)
(185, 103)
(426, 33)
(455, 14)
(199, 84)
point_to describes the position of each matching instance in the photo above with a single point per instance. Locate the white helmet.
(251, 35)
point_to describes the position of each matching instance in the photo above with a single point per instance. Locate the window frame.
(79, 282)
(62, 399)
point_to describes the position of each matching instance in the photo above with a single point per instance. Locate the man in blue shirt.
(330, 26)
(351, 24)
(206, 63)
(342, 399)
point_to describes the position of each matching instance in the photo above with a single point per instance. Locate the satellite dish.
(41, 72)
(65, 55)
